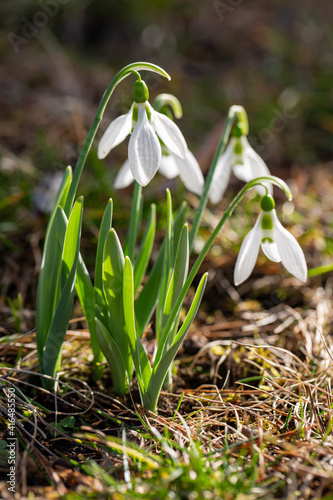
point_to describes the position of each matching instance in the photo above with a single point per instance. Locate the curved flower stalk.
(241, 159)
(276, 243)
(146, 127)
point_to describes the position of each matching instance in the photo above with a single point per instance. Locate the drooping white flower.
(171, 166)
(241, 159)
(276, 243)
(145, 124)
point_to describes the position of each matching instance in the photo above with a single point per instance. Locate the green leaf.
(179, 225)
(61, 196)
(146, 302)
(112, 272)
(85, 292)
(106, 225)
(167, 268)
(140, 358)
(60, 320)
(161, 368)
(176, 284)
(145, 249)
(72, 237)
(51, 269)
(47, 291)
(128, 302)
(114, 358)
(179, 273)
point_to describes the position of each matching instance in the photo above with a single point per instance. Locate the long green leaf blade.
(54, 266)
(47, 291)
(61, 196)
(167, 268)
(57, 331)
(161, 368)
(85, 292)
(112, 272)
(176, 284)
(145, 249)
(114, 358)
(179, 273)
(147, 300)
(140, 358)
(72, 236)
(179, 225)
(106, 225)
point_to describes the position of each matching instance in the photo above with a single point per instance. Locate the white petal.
(292, 256)
(144, 150)
(221, 175)
(168, 167)
(243, 172)
(169, 133)
(257, 166)
(271, 251)
(124, 177)
(190, 173)
(116, 132)
(248, 253)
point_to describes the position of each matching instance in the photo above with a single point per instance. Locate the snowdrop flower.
(171, 166)
(240, 158)
(276, 243)
(144, 148)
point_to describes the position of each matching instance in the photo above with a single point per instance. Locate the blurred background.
(58, 56)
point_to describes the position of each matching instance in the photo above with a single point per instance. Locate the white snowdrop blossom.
(144, 149)
(171, 166)
(276, 243)
(241, 159)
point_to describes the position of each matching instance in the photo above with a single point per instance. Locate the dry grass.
(267, 396)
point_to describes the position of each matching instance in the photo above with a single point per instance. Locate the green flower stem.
(131, 68)
(316, 271)
(259, 181)
(134, 221)
(235, 112)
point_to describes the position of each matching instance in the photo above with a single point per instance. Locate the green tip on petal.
(140, 91)
(238, 148)
(267, 203)
(267, 240)
(237, 130)
(267, 223)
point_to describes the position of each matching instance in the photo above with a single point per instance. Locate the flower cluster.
(157, 144)
(127, 292)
